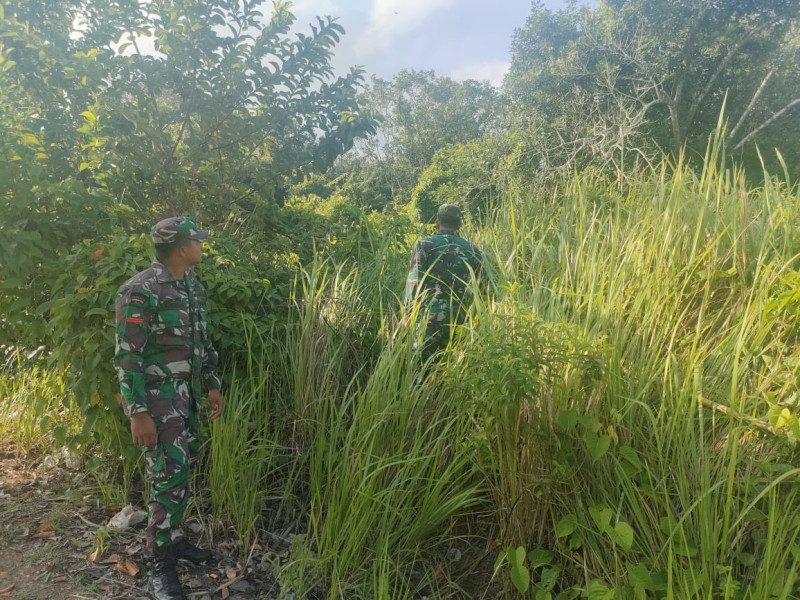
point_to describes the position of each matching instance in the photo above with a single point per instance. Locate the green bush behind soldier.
(164, 357)
(441, 266)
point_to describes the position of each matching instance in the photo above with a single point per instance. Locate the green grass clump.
(616, 418)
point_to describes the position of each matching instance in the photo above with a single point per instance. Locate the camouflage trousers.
(168, 471)
(437, 337)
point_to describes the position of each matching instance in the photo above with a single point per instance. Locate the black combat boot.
(183, 549)
(164, 583)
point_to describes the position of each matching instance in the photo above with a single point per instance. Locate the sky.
(461, 39)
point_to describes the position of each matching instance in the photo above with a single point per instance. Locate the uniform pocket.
(172, 336)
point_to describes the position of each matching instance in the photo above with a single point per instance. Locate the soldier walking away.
(164, 358)
(440, 274)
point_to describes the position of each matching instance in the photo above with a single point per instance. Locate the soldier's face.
(193, 252)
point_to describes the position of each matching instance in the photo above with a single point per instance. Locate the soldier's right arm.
(133, 309)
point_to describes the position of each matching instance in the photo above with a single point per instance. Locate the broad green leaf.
(601, 516)
(597, 445)
(521, 578)
(631, 459)
(549, 578)
(639, 577)
(567, 419)
(589, 423)
(566, 526)
(538, 557)
(623, 535)
(29, 139)
(519, 556)
(597, 589)
(60, 434)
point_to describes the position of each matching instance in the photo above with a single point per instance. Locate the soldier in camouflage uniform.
(441, 266)
(164, 358)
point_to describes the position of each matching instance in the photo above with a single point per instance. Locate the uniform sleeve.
(133, 309)
(415, 273)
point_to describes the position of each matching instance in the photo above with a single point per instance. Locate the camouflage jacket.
(440, 268)
(162, 336)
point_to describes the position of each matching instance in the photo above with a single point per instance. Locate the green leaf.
(520, 575)
(567, 419)
(538, 557)
(597, 445)
(589, 423)
(549, 578)
(623, 535)
(521, 578)
(597, 589)
(639, 577)
(601, 515)
(631, 458)
(566, 526)
(84, 166)
(29, 139)
(60, 434)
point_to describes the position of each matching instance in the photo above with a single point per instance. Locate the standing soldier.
(440, 269)
(164, 357)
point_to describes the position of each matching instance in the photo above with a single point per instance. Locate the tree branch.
(768, 122)
(752, 102)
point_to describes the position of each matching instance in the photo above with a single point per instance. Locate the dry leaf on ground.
(95, 556)
(127, 566)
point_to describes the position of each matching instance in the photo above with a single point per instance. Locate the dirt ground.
(54, 545)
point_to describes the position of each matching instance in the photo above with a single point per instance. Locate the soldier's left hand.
(215, 404)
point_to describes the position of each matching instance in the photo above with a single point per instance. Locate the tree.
(226, 107)
(673, 62)
(463, 174)
(419, 113)
(100, 137)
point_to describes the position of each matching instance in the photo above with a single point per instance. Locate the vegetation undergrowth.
(616, 418)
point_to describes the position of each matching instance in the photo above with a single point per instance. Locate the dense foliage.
(617, 418)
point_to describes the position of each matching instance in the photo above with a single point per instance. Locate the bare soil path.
(50, 548)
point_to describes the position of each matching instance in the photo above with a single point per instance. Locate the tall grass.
(621, 403)
(36, 411)
(675, 284)
(246, 456)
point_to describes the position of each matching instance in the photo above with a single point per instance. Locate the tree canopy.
(661, 70)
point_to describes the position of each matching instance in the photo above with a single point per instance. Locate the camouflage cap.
(173, 229)
(449, 210)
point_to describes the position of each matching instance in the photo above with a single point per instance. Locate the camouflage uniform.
(440, 269)
(164, 356)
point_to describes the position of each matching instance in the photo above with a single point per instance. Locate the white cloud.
(390, 19)
(493, 71)
(307, 11)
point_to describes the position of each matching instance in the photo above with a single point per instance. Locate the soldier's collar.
(447, 232)
(161, 272)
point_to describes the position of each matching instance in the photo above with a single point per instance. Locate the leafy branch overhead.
(182, 102)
